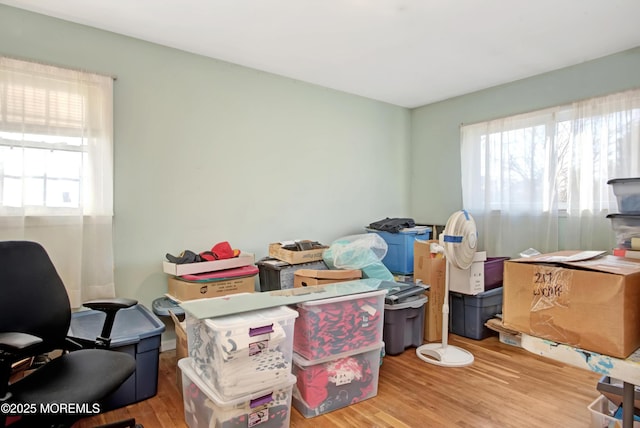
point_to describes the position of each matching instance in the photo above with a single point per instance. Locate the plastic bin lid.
(416, 230)
(301, 361)
(162, 305)
(624, 180)
(416, 303)
(130, 326)
(342, 298)
(257, 318)
(186, 365)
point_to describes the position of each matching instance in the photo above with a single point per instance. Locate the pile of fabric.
(332, 329)
(335, 384)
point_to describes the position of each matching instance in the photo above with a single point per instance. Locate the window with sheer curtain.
(539, 180)
(56, 170)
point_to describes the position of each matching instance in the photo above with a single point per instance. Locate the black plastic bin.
(278, 275)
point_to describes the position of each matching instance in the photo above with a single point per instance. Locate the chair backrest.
(33, 298)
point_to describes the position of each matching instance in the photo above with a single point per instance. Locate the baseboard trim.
(167, 345)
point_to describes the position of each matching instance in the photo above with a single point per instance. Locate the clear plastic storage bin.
(626, 227)
(333, 383)
(329, 327)
(238, 354)
(602, 411)
(269, 407)
(627, 191)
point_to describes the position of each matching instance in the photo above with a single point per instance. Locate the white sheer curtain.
(540, 179)
(56, 170)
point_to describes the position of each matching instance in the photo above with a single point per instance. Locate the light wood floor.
(505, 387)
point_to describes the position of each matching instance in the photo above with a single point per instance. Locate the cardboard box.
(305, 277)
(184, 290)
(295, 257)
(469, 281)
(182, 350)
(572, 297)
(430, 271)
(244, 259)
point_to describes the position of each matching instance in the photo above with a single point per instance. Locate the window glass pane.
(11, 161)
(62, 193)
(35, 162)
(12, 192)
(34, 191)
(64, 164)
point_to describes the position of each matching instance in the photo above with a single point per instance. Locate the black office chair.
(34, 321)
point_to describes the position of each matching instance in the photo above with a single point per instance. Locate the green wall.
(207, 151)
(436, 189)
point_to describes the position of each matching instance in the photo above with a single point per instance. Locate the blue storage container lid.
(130, 326)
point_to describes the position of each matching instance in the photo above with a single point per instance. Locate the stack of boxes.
(404, 322)
(238, 372)
(475, 296)
(215, 278)
(337, 351)
(190, 281)
(626, 224)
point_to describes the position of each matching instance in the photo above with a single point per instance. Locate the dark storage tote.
(467, 314)
(278, 275)
(136, 331)
(403, 325)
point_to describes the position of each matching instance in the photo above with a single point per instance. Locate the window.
(56, 168)
(540, 179)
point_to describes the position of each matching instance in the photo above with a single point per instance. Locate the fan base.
(446, 356)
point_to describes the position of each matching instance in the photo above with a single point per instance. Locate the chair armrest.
(110, 304)
(13, 347)
(16, 343)
(110, 307)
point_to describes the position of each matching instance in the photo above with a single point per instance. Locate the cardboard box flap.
(588, 260)
(330, 274)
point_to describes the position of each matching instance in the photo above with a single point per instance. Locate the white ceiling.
(404, 52)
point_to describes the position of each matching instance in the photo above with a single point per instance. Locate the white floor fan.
(459, 240)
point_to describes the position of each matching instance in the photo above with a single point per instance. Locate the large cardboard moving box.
(571, 297)
(430, 271)
(185, 290)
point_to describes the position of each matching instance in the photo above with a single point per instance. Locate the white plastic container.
(203, 408)
(238, 354)
(330, 327)
(601, 410)
(627, 191)
(333, 383)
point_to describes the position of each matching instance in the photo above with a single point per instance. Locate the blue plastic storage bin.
(399, 258)
(467, 314)
(136, 331)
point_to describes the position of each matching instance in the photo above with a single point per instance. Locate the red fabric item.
(207, 256)
(223, 250)
(312, 384)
